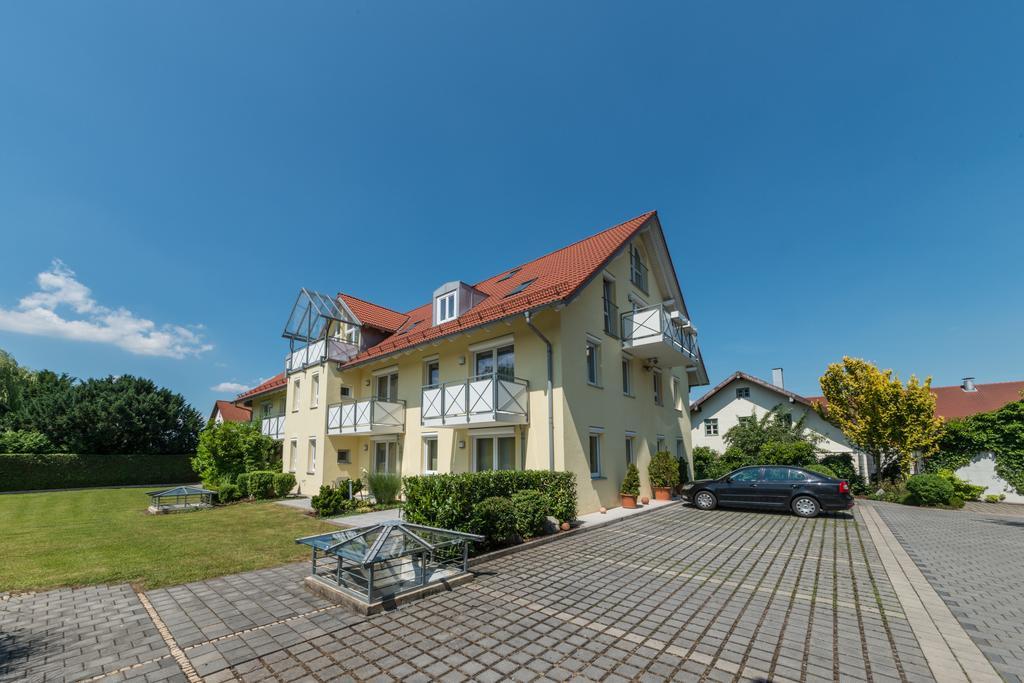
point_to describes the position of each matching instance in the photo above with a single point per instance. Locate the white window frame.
(711, 426)
(742, 392)
(504, 434)
(314, 391)
(296, 394)
(390, 456)
(659, 443)
(677, 394)
(630, 448)
(594, 436)
(311, 456)
(627, 376)
(293, 455)
(658, 383)
(386, 376)
(593, 352)
(426, 371)
(348, 456)
(427, 440)
(446, 306)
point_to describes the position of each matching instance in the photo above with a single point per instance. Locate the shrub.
(631, 484)
(447, 500)
(284, 482)
(331, 501)
(704, 461)
(33, 471)
(821, 469)
(261, 484)
(929, 489)
(663, 470)
(242, 480)
(531, 507)
(228, 492)
(384, 487)
(25, 441)
(230, 448)
(495, 519)
(964, 489)
(343, 486)
(956, 502)
(795, 453)
(995, 497)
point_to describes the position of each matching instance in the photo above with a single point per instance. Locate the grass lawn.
(73, 538)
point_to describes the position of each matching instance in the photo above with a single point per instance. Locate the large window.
(594, 454)
(311, 464)
(314, 391)
(711, 426)
(494, 453)
(446, 309)
(293, 455)
(387, 387)
(611, 311)
(637, 269)
(501, 360)
(658, 390)
(593, 363)
(385, 456)
(430, 454)
(627, 377)
(432, 373)
(296, 394)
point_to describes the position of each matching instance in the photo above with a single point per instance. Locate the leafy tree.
(229, 449)
(999, 431)
(13, 379)
(796, 453)
(19, 441)
(880, 415)
(46, 402)
(753, 434)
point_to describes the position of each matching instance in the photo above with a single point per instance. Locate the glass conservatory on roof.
(378, 562)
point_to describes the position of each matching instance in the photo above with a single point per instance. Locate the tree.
(13, 379)
(752, 435)
(889, 421)
(231, 448)
(46, 401)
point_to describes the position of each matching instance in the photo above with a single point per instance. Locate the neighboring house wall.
(982, 472)
(727, 408)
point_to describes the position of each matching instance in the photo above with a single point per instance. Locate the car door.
(741, 488)
(778, 484)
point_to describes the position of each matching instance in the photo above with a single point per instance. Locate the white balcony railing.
(273, 426)
(366, 416)
(654, 333)
(325, 349)
(482, 401)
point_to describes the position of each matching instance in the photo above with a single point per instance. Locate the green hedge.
(447, 500)
(33, 471)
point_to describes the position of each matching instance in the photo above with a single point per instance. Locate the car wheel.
(805, 506)
(705, 500)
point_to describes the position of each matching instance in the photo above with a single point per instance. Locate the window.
(630, 455)
(296, 395)
(503, 358)
(344, 457)
(521, 286)
(593, 363)
(787, 419)
(385, 456)
(293, 455)
(657, 387)
(797, 475)
(711, 426)
(637, 269)
(446, 309)
(265, 409)
(494, 453)
(777, 474)
(744, 419)
(430, 455)
(611, 311)
(509, 274)
(410, 328)
(677, 394)
(743, 392)
(659, 444)
(627, 377)
(680, 449)
(387, 387)
(346, 392)
(747, 475)
(314, 391)
(350, 333)
(311, 465)
(432, 373)
(594, 454)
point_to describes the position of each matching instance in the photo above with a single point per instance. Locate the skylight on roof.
(521, 286)
(409, 329)
(509, 274)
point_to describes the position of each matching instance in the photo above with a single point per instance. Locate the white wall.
(982, 472)
(728, 408)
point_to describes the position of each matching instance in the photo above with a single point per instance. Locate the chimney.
(777, 378)
(967, 384)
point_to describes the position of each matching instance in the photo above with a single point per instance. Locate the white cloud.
(39, 314)
(232, 387)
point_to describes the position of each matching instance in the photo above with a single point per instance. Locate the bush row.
(33, 471)
(259, 485)
(448, 501)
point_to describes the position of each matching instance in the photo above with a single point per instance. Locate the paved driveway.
(975, 560)
(673, 594)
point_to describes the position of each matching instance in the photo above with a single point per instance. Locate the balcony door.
(494, 453)
(500, 361)
(387, 387)
(385, 457)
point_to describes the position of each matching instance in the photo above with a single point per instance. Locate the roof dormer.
(452, 299)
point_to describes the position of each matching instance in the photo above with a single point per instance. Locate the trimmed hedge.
(530, 508)
(930, 489)
(447, 500)
(495, 519)
(34, 471)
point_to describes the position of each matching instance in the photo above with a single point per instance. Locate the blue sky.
(833, 178)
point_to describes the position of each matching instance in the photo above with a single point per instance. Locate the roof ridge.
(982, 384)
(372, 303)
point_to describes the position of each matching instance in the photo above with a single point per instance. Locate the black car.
(772, 487)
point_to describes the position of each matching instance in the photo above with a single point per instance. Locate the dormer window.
(446, 307)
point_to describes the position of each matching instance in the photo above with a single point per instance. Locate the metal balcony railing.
(654, 323)
(272, 426)
(325, 349)
(486, 398)
(366, 415)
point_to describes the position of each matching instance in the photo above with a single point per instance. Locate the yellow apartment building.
(580, 360)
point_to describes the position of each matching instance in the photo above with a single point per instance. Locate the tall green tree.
(753, 435)
(887, 420)
(231, 448)
(13, 379)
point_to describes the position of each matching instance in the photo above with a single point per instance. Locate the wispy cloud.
(233, 387)
(45, 313)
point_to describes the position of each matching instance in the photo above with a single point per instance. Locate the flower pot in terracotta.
(662, 493)
(628, 502)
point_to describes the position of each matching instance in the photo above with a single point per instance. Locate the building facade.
(579, 361)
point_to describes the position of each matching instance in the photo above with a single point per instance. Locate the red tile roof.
(953, 402)
(276, 382)
(373, 315)
(738, 375)
(557, 276)
(230, 412)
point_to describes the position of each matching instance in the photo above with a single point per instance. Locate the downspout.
(551, 398)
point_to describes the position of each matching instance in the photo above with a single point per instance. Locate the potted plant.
(664, 474)
(630, 487)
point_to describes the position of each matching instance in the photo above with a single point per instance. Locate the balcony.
(273, 426)
(325, 349)
(366, 416)
(486, 401)
(655, 334)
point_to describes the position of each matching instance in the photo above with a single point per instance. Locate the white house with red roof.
(580, 360)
